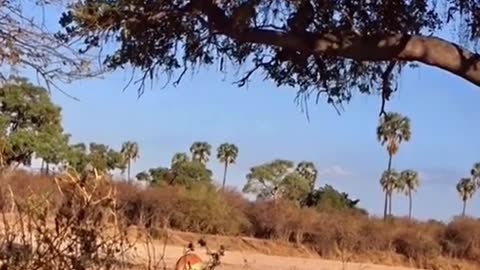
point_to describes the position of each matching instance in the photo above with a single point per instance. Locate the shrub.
(462, 239)
(202, 209)
(416, 245)
(84, 233)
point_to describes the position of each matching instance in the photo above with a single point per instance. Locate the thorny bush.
(83, 232)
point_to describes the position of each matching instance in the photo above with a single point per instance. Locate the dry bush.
(335, 235)
(274, 220)
(83, 233)
(150, 207)
(203, 209)
(462, 239)
(375, 235)
(415, 245)
(23, 185)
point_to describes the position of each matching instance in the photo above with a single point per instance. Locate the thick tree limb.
(431, 51)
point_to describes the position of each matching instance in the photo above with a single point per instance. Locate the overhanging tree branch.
(431, 51)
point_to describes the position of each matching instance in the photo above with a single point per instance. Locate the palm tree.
(227, 154)
(179, 158)
(475, 173)
(392, 130)
(130, 152)
(308, 171)
(466, 187)
(390, 183)
(411, 182)
(201, 152)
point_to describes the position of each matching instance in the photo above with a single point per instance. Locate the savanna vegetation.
(331, 49)
(289, 204)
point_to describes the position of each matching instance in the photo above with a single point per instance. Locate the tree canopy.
(329, 48)
(29, 124)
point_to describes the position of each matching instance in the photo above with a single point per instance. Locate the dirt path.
(235, 260)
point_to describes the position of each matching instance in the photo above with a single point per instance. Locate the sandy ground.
(235, 260)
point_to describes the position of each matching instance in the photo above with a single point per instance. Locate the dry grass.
(342, 236)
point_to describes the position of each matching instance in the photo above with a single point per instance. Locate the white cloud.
(334, 171)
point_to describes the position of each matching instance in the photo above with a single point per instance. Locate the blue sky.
(266, 124)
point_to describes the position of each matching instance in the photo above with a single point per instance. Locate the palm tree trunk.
(224, 175)
(390, 203)
(385, 207)
(389, 167)
(464, 207)
(409, 204)
(128, 170)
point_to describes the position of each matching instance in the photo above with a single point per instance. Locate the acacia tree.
(179, 158)
(392, 130)
(466, 188)
(308, 170)
(277, 179)
(52, 147)
(99, 157)
(331, 48)
(227, 154)
(130, 152)
(410, 180)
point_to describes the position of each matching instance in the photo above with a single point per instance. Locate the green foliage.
(155, 176)
(201, 152)
(275, 37)
(52, 146)
(295, 188)
(410, 180)
(99, 156)
(190, 172)
(202, 209)
(179, 157)
(328, 198)
(130, 152)
(475, 173)
(104, 159)
(392, 129)
(308, 170)
(30, 123)
(277, 179)
(184, 173)
(466, 188)
(77, 157)
(227, 153)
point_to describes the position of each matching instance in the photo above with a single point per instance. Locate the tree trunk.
(42, 166)
(224, 175)
(128, 171)
(409, 204)
(390, 203)
(389, 167)
(47, 168)
(385, 207)
(464, 207)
